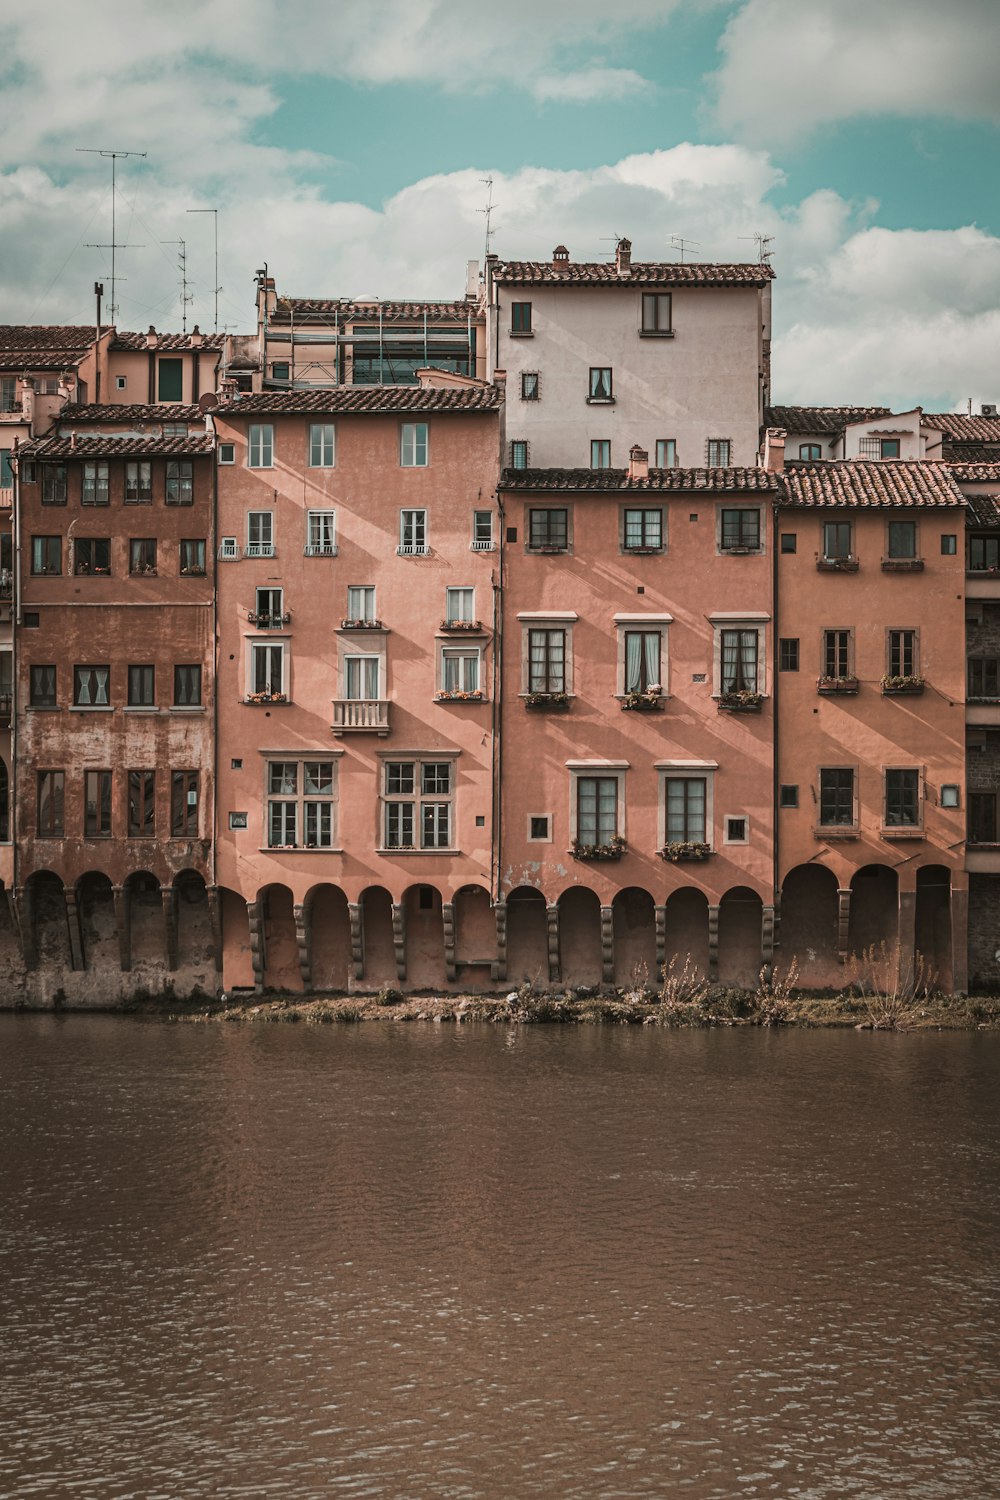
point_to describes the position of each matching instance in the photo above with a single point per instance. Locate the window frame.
(50, 792)
(408, 520)
(520, 320)
(182, 784)
(97, 705)
(600, 385)
(308, 801)
(645, 545)
(187, 569)
(411, 446)
(321, 448)
(140, 691)
(600, 453)
(914, 796)
(142, 557)
(98, 795)
(178, 484)
(188, 685)
(140, 803)
(95, 482)
(424, 794)
(260, 445)
(530, 386)
(666, 448)
(535, 544)
(718, 444)
(87, 550)
(723, 625)
(47, 697)
(52, 546)
(900, 649)
(686, 771)
(834, 797)
(259, 548)
(837, 651)
(752, 543)
(138, 482)
(651, 322)
(324, 523)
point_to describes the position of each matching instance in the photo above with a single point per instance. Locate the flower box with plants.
(687, 849)
(893, 686)
(647, 701)
(837, 564)
(266, 698)
(546, 700)
(902, 565)
(613, 850)
(642, 551)
(461, 625)
(265, 621)
(361, 625)
(836, 685)
(459, 695)
(742, 702)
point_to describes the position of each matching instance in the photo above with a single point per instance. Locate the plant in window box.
(634, 550)
(837, 564)
(461, 625)
(893, 685)
(648, 700)
(740, 701)
(186, 572)
(265, 621)
(546, 700)
(614, 849)
(266, 698)
(459, 695)
(902, 565)
(361, 624)
(837, 684)
(283, 846)
(685, 849)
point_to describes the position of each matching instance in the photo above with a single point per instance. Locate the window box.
(902, 565)
(614, 850)
(899, 686)
(266, 698)
(547, 547)
(832, 685)
(894, 833)
(740, 703)
(546, 700)
(837, 564)
(361, 625)
(648, 701)
(641, 551)
(736, 549)
(458, 625)
(681, 852)
(265, 621)
(457, 695)
(144, 570)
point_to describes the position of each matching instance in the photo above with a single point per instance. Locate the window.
(238, 820)
(949, 544)
(836, 797)
(789, 541)
(529, 385)
(984, 677)
(903, 540)
(520, 317)
(141, 686)
(184, 804)
(837, 654)
(180, 482)
(187, 686)
(950, 794)
(46, 554)
(138, 484)
(600, 383)
(788, 654)
(260, 534)
(412, 533)
(300, 804)
(29, 471)
(321, 445)
(546, 661)
(982, 817)
(718, 453)
(321, 533)
(413, 445)
(836, 540)
(8, 394)
(121, 382)
(141, 804)
(42, 687)
(642, 661)
(175, 429)
(643, 530)
(666, 453)
(227, 453)
(91, 687)
(596, 809)
(418, 804)
(656, 311)
(538, 830)
(686, 804)
(229, 549)
(736, 831)
(788, 796)
(260, 446)
(518, 454)
(267, 670)
(142, 556)
(192, 557)
(53, 484)
(97, 804)
(460, 605)
(600, 453)
(95, 484)
(361, 603)
(739, 661)
(361, 678)
(92, 554)
(902, 799)
(548, 530)
(51, 804)
(740, 530)
(889, 448)
(482, 531)
(810, 452)
(170, 380)
(876, 447)
(984, 554)
(902, 653)
(459, 669)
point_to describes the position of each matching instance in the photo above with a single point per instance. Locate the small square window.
(949, 544)
(237, 820)
(480, 820)
(236, 764)
(121, 382)
(227, 453)
(789, 541)
(736, 831)
(950, 795)
(788, 654)
(810, 452)
(719, 453)
(789, 796)
(538, 829)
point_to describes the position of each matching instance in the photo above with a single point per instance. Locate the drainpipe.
(775, 679)
(15, 615)
(215, 660)
(496, 839)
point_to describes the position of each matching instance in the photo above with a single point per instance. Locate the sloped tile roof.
(831, 419)
(168, 342)
(963, 429)
(982, 510)
(164, 411)
(118, 447)
(687, 480)
(366, 399)
(975, 473)
(46, 336)
(330, 310)
(870, 484)
(639, 273)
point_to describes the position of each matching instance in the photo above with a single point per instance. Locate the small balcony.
(261, 620)
(360, 716)
(258, 549)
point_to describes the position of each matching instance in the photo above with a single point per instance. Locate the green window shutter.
(171, 380)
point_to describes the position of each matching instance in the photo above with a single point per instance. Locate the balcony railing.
(482, 546)
(259, 549)
(360, 715)
(6, 497)
(412, 549)
(264, 621)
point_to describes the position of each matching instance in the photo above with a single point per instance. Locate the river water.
(452, 1261)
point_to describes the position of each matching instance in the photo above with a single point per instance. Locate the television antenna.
(186, 296)
(763, 242)
(115, 157)
(678, 242)
(218, 289)
(487, 212)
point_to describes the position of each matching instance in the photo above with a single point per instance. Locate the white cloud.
(591, 84)
(790, 67)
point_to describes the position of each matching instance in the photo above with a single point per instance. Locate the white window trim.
(404, 427)
(477, 546)
(625, 625)
(683, 770)
(459, 588)
(263, 426)
(311, 549)
(372, 644)
(419, 757)
(270, 638)
(738, 843)
(227, 448)
(258, 547)
(406, 549)
(542, 620)
(609, 769)
(752, 619)
(309, 446)
(760, 550)
(454, 646)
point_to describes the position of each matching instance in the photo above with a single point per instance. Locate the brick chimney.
(638, 462)
(28, 401)
(774, 448)
(623, 257)
(560, 256)
(197, 337)
(152, 338)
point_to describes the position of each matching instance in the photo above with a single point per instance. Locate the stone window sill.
(294, 848)
(656, 333)
(521, 333)
(44, 708)
(92, 708)
(140, 708)
(409, 853)
(901, 833)
(843, 832)
(187, 708)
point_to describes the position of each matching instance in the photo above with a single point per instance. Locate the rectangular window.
(902, 653)
(718, 454)
(260, 533)
(666, 453)
(656, 312)
(546, 661)
(548, 530)
(789, 541)
(686, 810)
(459, 670)
(46, 555)
(810, 452)
(596, 809)
(42, 686)
(529, 385)
(53, 484)
(836, 653)
(836, 797)
(482, 531)
(361, 603)
(91, 554)
(170, 380)
(460, 605)
(642, 661)
(321, 445)
(141, 686)
(418, 796)
(142, 556)
(175, 429)
(317, 788)
(95, 484)
(260, 446)
(788, 654)
(836, 540)
(321, 534)
(51, 804)
(739, 661)
(227, 453)
(180, 482)
(8, 394)
(141, 804)
(413, 445)
(902, 799)
(600, 383)
(600, 453)
(520, 317)
(889, 448)
(643, 530)
(184, 804)
(984, 554)
(192, 557)
(903, 540)
(187, 686)
(949, 544)
(412, 533)
(267, 670)
(518, 453)
(982, 817)
(138, 484)
(361, 678)
(984, 677)
(269, 609)
(740, 530)
(280, 369)
(92, 687)
(788, 796)
(97, 804)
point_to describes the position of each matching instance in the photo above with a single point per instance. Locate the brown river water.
(419, 1261)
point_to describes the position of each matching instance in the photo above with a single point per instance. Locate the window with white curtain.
(642, 660)
(361, 677)
(739, 661)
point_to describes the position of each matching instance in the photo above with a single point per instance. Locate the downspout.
(776, 679)
(215, 658)
(496, 839)
(15, 613)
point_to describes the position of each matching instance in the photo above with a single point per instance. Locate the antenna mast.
(678, 242)
(215, 219)
(487, 212)
(114, 155)
(763, 243)
(186, 296)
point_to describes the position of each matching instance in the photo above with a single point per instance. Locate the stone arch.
(810, 915)
(740, 917)
(527, 936)
(475, 936)
(580, 959)
(144, 904)
(424, 937)
(686, 928)
(634, 925)
(932, 922)
(237, 955)
(193, 918)
(874, 909)
(95, 904)
(281, 949)
(377, 937)
(46, 897)
(329, 937)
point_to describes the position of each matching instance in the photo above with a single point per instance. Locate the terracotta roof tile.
(974, 473)
(330, 310)
(362, 399)
(686, 480)
(168, 342)
(831, 419)
(982, 510)
(857, 482)
(99, 446)
(963, 429)
(164, 411)
(42, 336)
(639, 273)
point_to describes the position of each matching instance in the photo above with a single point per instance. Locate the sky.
(346, 145)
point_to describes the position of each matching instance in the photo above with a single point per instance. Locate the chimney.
(774, 449)
(500, 379)
(152, 338)
(638, 463)
(72, 442)
(560, 256)
(197, 337)
(28, 401)
(623, 257)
